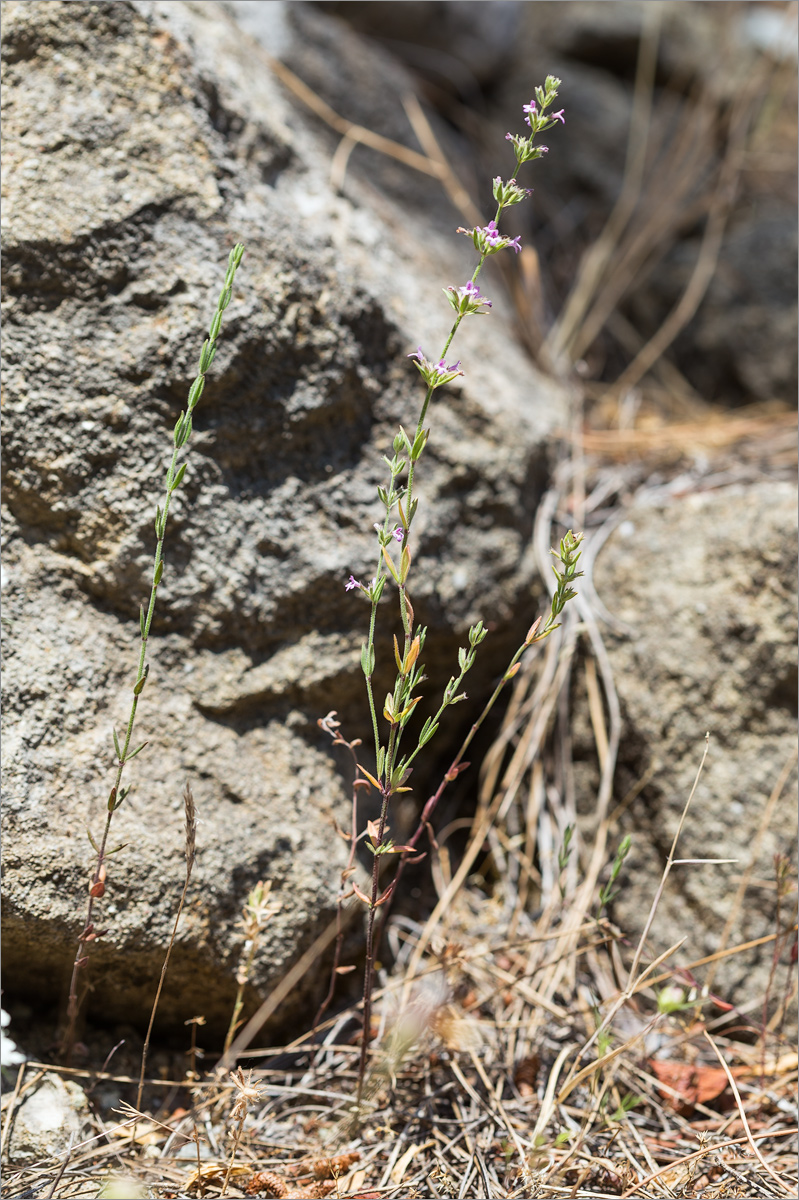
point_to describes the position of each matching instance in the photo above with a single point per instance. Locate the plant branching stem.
(399, 706)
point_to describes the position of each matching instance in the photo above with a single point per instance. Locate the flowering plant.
(393, 761)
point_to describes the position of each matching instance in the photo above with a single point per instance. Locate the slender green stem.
(399, 705)
(369, 689)
(238, 1004)
(428, 397)
(181, 436)
(370, 953)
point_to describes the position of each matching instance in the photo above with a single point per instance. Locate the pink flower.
(436, 374)
(467, 299)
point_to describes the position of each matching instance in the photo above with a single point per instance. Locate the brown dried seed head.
(269, 1182)
(191, 827)
(97, 884)
(329, 1168)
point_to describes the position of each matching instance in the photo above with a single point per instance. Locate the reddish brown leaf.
(526, 1075)
(695, 1084)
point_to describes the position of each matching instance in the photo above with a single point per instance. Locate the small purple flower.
(436, 374)
(558, 116)
(510, 192)
(488, 240)
(515, 244)
(351, 584)
(398, 533)
(467, 299)
(492, 235)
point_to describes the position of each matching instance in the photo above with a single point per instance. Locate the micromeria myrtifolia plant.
(392, 766)
(122, 751)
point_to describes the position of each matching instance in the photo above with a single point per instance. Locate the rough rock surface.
(50, 1115)
(141, 141)
(707, 585)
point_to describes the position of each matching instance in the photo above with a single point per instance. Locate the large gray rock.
(141, 141)
(707, 584)
(50, 1115)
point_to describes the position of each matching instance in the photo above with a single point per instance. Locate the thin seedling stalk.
(257, 911)
(191, 848)
(174, 477)
(247, 1094)
(234, 1151)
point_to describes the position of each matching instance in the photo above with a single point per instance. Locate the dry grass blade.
(595, 262)
(61, 1169)
(349, 129)
(765, 821)
(686, 1158)
(713, 433)
(427, 140)
(704, 269)
(12, 1105)
(786, 1191)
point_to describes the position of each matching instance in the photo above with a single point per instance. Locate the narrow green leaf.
(142, 622)
(116, 743)
(95, 847)
(195, 391)
(135, 752)
(159, 570)
(390, 564)
(425, 738)
(419, 445)
(116, 849)
(367, 659)
(181, 471)
(185, 432)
